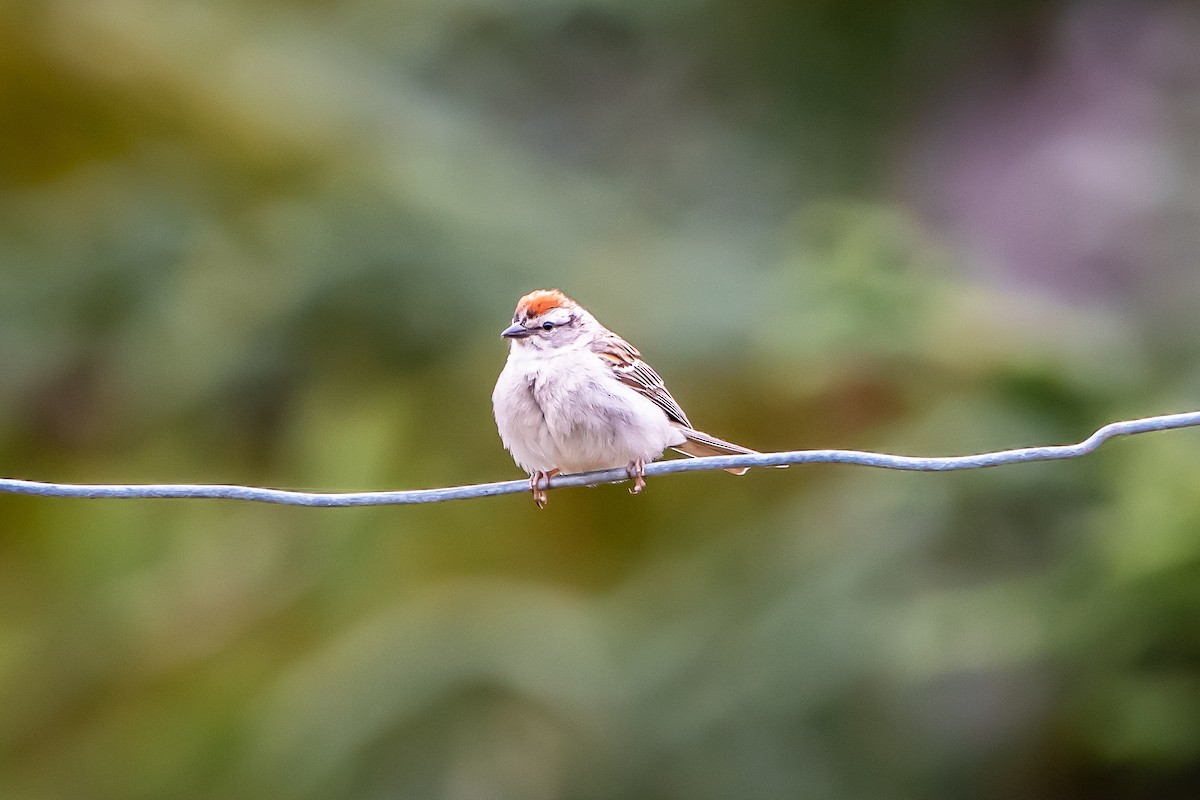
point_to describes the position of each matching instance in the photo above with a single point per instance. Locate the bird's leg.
(637, 471)
(539, 493)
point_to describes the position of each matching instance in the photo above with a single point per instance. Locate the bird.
(575, 397)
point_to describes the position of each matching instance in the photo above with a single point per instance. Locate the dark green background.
(274, 243)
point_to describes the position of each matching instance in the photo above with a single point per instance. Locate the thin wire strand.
(861, 458)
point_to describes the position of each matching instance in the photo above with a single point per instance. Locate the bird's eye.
(547, 326)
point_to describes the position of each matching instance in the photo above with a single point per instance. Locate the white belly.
(570, 413)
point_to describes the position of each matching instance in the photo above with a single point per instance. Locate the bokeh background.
(273, 242)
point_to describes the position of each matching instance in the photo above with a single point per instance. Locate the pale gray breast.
(582, 394)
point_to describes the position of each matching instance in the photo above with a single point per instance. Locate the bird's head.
(546, 319)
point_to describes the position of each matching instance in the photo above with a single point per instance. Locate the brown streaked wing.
(629, 368)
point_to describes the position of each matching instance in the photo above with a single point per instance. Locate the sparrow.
(576, 397)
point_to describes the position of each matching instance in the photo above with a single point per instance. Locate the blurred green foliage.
(274, 242)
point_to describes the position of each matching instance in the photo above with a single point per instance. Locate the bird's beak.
(515, 331)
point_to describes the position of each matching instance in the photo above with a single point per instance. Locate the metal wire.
(861, 458)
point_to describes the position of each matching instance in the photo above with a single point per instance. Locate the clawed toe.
(637, 471)
(540, 496)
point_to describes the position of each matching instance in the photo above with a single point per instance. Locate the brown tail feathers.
(700, 443)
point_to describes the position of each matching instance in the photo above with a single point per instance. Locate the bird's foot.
(637, 471)
(540, 492)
